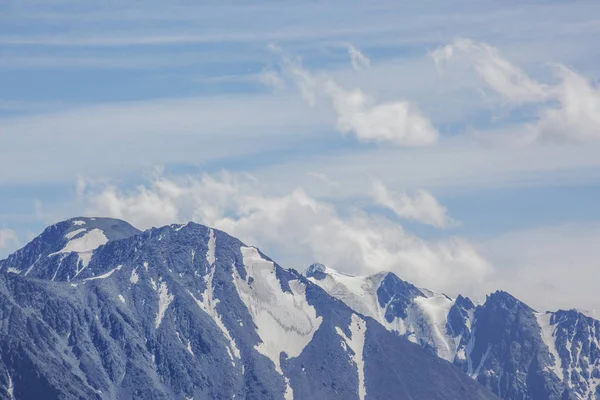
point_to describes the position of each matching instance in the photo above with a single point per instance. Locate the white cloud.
(307, 84)
(422, 207)
(323, 178)
(133, 135)
(399, 122)
(271, 78)
(569, 109)
(295, 228)
(357, 58)
(8, 239)
(498, 73)
(576, 116)
(548, 267)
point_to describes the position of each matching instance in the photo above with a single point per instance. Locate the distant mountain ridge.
(503, 344)
(95, 309)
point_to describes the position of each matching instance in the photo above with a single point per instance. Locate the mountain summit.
(65, 249)
(93, 308)
(515, 351)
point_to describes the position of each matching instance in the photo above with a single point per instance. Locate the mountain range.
(93, 308)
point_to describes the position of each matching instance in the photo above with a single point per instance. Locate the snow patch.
(433, 311)
(284, 321)
(12, 270)
(289, 393)
(469, 350)
(208, 304)
(210, 254)
(32, 265)
(356, 342)
(74, 233)
(426, 318)
(548, 336)
(105, 275)
(360, 294)
(481, 362)
(84, 246)
(164, 299)
(134, 278)
(78, 223)
(11, 388)
(88, 242)
(146, 266)
(357, 292)
(178, 227)
(122, 298)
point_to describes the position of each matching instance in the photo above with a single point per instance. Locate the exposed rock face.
(503, 344)
(95, 309)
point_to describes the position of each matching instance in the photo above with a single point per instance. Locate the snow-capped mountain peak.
(498, 343)
(419, 315)
(190, 312)
(358, 292)
(66, 248)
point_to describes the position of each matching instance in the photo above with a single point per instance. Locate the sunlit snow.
(105, 275)
(10, 388)
(285, 321)
(356, 342)
(208, 303)
(164, 299)
(548, 332)
(134, 278)
(426, 318)
(74, 233)
(88, 242)
(84, 246)
(210, 255)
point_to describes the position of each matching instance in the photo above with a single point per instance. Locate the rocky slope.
(94, 309)
(515, 351)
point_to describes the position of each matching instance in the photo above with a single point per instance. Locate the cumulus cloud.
(576, 116)
(421, 207)
(399, 122)
(295, 228)
(357, 58)
(568, 110)
(8, 238)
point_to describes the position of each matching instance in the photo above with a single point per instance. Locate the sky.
(453, 143)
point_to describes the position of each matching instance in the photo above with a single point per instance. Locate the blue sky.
(455, 144)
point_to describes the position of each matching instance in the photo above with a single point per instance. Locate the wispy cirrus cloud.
(200, 130)
(357, 58)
